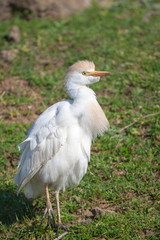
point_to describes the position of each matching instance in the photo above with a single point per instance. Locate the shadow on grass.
(13, 207)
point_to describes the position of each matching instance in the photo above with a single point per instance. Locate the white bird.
(56, 151)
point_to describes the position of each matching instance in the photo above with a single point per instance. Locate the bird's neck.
(80, 92)
(88, 112)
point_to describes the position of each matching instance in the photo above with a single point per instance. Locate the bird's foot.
(51, 217)
(61, 226)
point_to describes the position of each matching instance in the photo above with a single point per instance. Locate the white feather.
(57, 148)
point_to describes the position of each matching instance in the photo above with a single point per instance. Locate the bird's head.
(80, 75)
(83, 73)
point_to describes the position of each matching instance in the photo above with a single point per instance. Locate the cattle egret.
(56, 151)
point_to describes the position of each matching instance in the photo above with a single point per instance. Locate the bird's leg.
(59, 224)
(58, 208)
(48, 209)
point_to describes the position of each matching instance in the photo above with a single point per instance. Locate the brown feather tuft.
(82, 66)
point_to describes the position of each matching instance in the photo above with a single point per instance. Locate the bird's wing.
(44, 140)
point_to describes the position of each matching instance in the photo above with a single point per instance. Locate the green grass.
(123, 175)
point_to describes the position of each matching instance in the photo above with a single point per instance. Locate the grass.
(123, 175)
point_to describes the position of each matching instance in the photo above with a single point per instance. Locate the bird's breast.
(93, 119)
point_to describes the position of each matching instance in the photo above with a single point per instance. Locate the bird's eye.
(84, 73)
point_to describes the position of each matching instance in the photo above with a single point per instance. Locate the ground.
(118, 197)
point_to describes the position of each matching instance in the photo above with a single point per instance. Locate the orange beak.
(98, 73)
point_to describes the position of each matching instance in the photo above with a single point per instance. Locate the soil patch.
(12, 109)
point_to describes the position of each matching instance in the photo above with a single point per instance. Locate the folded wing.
(44, 140)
